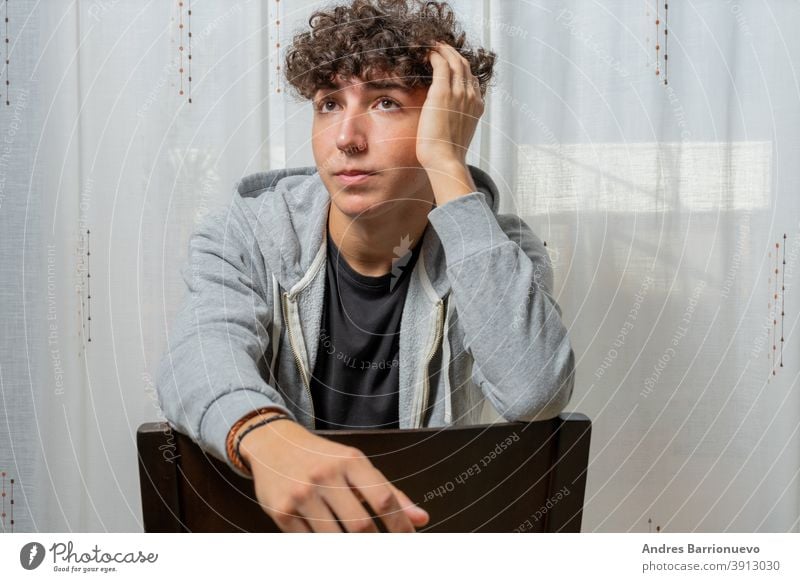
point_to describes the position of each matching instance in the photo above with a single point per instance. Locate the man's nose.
(351, 134)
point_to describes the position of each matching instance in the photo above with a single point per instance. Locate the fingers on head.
(441, 67)
(461, 71)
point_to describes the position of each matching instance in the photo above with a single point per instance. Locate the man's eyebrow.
(375, 85)
(385, 84)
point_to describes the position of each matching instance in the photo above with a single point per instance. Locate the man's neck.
(369, 245)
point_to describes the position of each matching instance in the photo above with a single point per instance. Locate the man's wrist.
(450, 180)
(239, 428)
(247, 443)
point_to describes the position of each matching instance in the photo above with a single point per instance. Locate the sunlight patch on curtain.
(644, 177)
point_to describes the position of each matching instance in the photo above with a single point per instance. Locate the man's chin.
(359, 208)
(360, 204)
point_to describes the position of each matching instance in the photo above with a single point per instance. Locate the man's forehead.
(382, 82)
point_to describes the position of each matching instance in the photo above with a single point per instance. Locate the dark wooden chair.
(536, 485)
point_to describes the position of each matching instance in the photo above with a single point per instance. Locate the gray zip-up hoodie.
(478, 321)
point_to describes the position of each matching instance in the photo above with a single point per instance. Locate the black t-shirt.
(356, 375)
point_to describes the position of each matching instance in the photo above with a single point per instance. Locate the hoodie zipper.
(298, 361)
(431, 352)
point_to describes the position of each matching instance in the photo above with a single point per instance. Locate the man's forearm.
(450, 181)
(523, 359)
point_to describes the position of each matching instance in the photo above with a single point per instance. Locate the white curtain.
(661, 205)
(662, 198)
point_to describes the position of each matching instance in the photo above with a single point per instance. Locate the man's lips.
(354, 172)
(354, 176)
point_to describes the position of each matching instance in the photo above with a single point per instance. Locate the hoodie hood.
(288, 210)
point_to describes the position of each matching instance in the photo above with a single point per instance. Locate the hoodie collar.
(289, 211)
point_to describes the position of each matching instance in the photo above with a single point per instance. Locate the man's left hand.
(450, 113)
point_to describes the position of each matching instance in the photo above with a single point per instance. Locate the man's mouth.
(354, 176)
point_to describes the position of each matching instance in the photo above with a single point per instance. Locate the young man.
(379, 289)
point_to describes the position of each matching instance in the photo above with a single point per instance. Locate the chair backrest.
(503, 477)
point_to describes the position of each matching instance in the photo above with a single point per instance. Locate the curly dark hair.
(369, 39)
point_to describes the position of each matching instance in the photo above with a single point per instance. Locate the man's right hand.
(304, 482)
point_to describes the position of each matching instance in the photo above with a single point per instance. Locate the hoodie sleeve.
(502, 280)
(210, 375)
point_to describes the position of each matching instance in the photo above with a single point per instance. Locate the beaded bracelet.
(252, 427)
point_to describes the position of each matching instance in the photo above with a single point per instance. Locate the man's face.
(369, 127)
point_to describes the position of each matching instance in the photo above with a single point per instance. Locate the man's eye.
(390, 101)
(323, 105)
